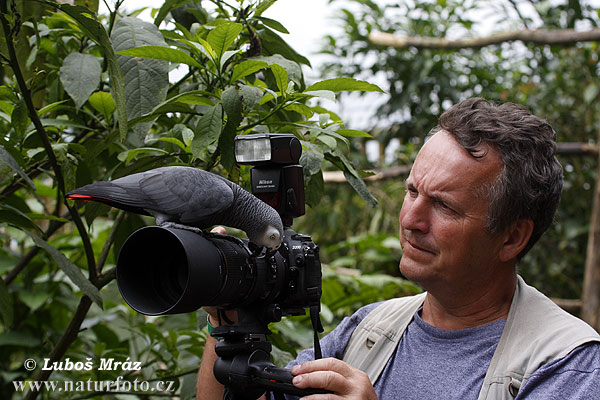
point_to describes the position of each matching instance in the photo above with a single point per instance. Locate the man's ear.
(515, 239)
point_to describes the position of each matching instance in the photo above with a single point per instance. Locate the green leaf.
(95, 31)
(207, 132)
(35, 216)
(205, 48)
(146, 80)
(361, 188)
(128, 155)
(51, 108)
(273, 24)
(161, 53)
(71, 270)
(223, 36)
(292, 68)
(166, 8)
(353, 133)
(311, 161)
(18, 339)
(246, 68)
(80, 76)
(272, 44)
(20, 119)
(7, 93)
(301, 109)
(325, 94)
(104, 103)
(250, 95)
(15, 217)
(281, 77)
(33, 299)
(344, 84)
(8, 159)
(232, 104)
(6, 305)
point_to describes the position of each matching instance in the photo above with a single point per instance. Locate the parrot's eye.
(272, 237)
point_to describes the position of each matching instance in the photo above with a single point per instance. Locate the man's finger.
(324, 364)
(219, 229)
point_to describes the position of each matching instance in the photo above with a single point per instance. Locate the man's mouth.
(417, 245)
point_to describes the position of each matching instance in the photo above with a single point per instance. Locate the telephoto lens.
(172, 271)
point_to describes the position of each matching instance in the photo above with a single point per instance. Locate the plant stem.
(109, 241)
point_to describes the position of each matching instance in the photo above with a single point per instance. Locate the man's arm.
(208, 388)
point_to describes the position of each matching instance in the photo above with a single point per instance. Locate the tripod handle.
(280, 380)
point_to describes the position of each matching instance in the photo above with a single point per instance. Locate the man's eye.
(443, 205)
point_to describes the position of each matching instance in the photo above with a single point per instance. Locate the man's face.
(443, 217)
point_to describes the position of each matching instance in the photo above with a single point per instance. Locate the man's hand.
(336, 376)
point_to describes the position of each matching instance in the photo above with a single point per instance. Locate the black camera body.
(165, 270)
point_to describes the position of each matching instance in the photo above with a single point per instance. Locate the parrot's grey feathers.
(191, 197)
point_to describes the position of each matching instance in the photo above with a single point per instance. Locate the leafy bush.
(87, 98)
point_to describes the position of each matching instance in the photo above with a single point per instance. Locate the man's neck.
(470, 308)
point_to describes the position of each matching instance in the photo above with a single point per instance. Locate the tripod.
(244, 364)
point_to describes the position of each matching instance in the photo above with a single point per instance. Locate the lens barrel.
(171, 271)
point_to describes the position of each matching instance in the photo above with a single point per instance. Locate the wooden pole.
(590, 310)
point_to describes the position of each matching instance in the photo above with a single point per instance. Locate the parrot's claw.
(183, 227)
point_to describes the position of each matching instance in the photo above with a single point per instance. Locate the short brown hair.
(531, 180)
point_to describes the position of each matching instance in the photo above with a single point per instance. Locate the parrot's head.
(271, 237)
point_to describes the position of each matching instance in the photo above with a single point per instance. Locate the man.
(482, 191)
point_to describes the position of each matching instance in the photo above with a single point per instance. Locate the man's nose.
(415, 214)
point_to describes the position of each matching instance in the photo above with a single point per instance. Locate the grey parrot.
(190, 197)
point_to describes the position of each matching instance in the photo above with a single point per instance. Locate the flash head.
(267, 148)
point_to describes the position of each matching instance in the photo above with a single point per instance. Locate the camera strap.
(317, 328)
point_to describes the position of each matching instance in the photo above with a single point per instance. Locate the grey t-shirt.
(431, 363)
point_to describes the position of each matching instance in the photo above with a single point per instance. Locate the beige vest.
(537, 331)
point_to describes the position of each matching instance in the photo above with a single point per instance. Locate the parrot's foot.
(183, 227)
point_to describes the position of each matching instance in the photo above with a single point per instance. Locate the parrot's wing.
(185, 194)
(189, 193)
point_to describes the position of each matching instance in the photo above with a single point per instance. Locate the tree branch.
(539, 36)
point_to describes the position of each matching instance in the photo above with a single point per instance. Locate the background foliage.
(558, 83)
(87, 97)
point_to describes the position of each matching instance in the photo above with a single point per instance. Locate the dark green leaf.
(166, 8)
(80, 76)
(291, 67)
(250, 95)
(161, 53)
(8, 159)
(207, 132)
(96, 32)
(273, 44)
(20, 339)
(20, 119)
(17, 218)
(232, 104)
(273, 24)
(146, 80)
(70, 269)
(6, 305)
